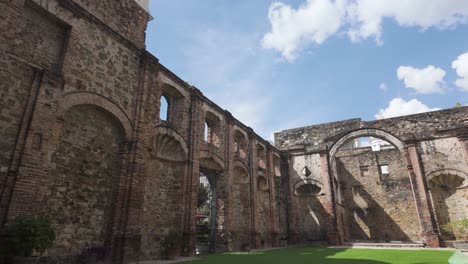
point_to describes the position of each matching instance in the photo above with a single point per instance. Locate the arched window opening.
(375, 144)
(164, 109)
(261, 156)
(276, 165)
(206, 132)
(212, 129)
(240, 143)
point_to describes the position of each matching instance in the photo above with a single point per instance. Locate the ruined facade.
(406, 191)
(83, 142)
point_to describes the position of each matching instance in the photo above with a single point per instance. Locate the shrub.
(172, 239)
(28, 234)
(458, 228)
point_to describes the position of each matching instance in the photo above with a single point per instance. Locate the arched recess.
(84, 175)
(308, 187)
(165, 175)
(87, 98)
(241, 208)
(378, 190)
(448, 187)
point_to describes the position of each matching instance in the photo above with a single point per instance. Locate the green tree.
(203, 195)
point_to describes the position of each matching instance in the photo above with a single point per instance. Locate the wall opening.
(164, 109)
(212, 130)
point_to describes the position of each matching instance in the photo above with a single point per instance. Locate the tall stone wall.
(82, 141)
(426, 187)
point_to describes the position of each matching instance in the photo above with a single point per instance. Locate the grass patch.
(322, 255)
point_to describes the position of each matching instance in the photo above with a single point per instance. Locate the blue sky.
(288, 64)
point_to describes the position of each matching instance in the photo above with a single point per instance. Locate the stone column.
(463, 138)
(253, 183)
(196, 133)
(291, 206)
(333, 237)
(274, 223)
(428, 233)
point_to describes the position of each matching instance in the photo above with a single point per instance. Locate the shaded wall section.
(82, 183)
(377, 205)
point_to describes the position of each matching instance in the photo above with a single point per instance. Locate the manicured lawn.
(320, 255)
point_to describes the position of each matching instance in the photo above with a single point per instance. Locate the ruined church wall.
(377, 206)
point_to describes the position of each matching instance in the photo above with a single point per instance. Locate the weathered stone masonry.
(82, 143)
(426, 186)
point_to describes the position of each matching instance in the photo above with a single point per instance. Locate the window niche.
(261, 156)
(171, 106)
(212, 129)
(240, 143)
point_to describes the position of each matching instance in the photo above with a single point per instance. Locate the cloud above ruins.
(425, 81)
(314, 21)
(400, 107)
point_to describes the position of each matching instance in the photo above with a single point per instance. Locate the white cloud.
(425, 81)
(317, 20)
(400, 107)
(461, 66)
(366, 15)
(312, 22)
(383, 87)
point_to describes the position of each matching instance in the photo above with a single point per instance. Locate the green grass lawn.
(321, 255)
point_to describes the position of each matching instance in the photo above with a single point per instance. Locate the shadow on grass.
(288, 256)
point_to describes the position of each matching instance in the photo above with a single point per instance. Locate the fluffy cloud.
(366, 15)
(461, 66)
(426, 81)
(316, 20)
(400, 107)
(312, 22)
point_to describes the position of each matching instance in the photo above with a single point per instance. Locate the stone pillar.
(291, 206)
(196, 134)
(463, 138)
(333, 237)
(230, 159)
(274, 223)
(428, 233)
(253, 183)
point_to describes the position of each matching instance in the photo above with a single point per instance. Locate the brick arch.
(215, 161)
(88, 98)
(366, 132)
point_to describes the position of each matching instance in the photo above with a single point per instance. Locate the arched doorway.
(210, 206)
(373, 191)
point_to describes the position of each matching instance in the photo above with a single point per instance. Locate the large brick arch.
(366, 132)
(88, 98)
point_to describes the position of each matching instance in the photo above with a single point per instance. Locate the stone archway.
(211, 169)
(364, 190)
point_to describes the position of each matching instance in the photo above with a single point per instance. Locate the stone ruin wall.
(83, 144)
(434, 144)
